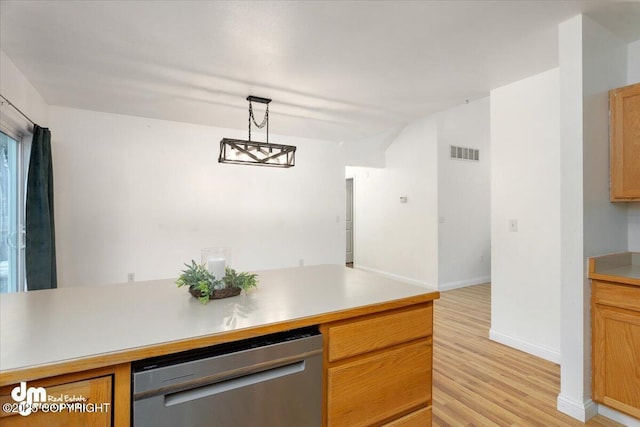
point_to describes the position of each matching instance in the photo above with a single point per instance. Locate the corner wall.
(592, 61)
(525, 187)
(406, 240)
(633, 62)
(17, 89)
(633, 209)
(464, 223)
(393, 238)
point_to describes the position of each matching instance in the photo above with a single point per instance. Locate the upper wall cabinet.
(624, 153)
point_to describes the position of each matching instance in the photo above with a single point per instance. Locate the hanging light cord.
(265, 120)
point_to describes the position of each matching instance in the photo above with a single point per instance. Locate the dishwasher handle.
(232, 384)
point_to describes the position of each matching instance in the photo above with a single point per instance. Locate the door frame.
(352, 180)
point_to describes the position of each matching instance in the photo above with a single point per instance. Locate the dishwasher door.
(272, 381)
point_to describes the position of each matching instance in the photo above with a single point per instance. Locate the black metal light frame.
(257, 153)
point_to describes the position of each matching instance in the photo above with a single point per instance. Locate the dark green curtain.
(40, 248)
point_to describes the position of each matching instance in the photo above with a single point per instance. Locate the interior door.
(349, 220)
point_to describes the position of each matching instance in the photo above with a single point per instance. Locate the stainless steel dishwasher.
(270, 381)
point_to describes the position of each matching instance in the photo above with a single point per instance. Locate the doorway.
(349, 223)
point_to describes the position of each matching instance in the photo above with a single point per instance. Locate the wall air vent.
(464, 153)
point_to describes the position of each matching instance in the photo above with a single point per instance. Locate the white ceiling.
(341, 71)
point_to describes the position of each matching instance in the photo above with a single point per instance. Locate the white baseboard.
(442, 287)
(395, 276)
(464, 283)
(619, 417)
(581, 411)
(527, 347)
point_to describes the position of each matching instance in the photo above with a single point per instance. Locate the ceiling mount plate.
(258, 99)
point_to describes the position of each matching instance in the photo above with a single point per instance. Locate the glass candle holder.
(216, 259)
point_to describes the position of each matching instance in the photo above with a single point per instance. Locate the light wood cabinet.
(624, 152)
(616, 346)
(378, 369)
(419, 418)
(95, 398)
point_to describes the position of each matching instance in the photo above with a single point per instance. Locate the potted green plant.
(204, 286)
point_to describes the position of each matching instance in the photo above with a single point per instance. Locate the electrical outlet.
(131, 277)
(513, 225)
(301, 262)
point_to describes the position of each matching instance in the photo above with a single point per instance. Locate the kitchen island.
(75, 335)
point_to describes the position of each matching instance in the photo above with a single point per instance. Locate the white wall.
(604, 68)
(143, 196)
(406, 240)
(17, 89)
(464, 248)
(393, 238)
(633, 209)
(633, 62)
(592, 61)
(525, 186)
(370, 151)
(633, 221)
(572, 399)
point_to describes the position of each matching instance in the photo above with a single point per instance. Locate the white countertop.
(52, 326)
(622, 267)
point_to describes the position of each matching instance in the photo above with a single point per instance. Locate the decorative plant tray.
(203, 284)
(217, 293)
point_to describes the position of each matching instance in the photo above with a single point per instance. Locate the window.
(12, 179)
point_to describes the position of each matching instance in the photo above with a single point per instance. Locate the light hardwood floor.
(478, 382)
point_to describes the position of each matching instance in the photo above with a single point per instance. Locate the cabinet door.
(110, 385)
(96, 393)
(376, 387)
(419, 418)
(616, 356)
(624, 104)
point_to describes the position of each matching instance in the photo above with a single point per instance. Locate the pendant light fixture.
(241, 152)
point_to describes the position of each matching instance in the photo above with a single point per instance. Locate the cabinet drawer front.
(616, 295)
(377, 387)
(378, 331)
(419, 418)
(95, 391)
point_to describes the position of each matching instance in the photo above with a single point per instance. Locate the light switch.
(513, 225)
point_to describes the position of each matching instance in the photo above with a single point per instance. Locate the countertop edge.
(615, 279)
(30, 373)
